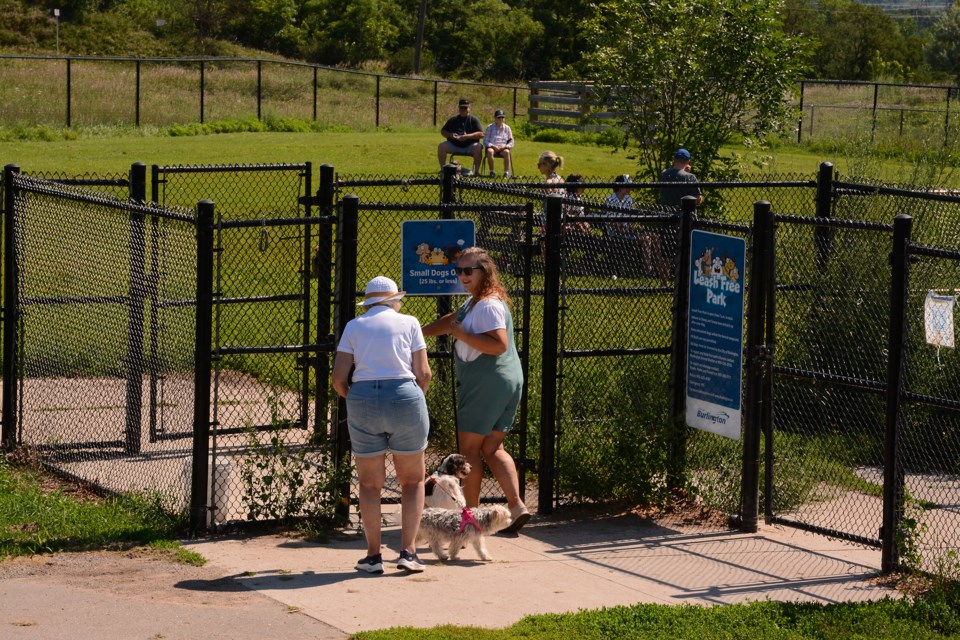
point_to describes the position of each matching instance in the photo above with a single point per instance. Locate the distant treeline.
(511, 41)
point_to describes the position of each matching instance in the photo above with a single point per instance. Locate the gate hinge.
(763, 353)
(313, 201)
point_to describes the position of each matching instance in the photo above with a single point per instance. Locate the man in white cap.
(498, 139)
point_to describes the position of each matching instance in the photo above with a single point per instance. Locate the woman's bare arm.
(421, 369)
(341, 373)
(440, 326)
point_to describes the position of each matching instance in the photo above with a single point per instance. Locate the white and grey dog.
(442, 488)
(454, 528)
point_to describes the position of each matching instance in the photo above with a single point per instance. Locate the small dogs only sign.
(429, 252)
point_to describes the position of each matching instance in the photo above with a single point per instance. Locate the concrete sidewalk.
(553, 566)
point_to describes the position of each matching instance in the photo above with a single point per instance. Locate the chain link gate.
(505, 227)
(271, 326)
(76, 307)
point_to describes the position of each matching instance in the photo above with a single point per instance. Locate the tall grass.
(104, 92)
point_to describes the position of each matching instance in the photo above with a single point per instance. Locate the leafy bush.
(282, 481)
(614, 447)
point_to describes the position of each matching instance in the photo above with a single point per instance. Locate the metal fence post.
(153, 290)
(69, 91)
(800, 118)
(873, 128)
(893, 498)
(756, 354)
(822, 235)
(136, 297)
(203, 367)
(202, 93)
(528, 248)
(305, 276)
(553, 208)
(323, 260)
(138, 95)
(10, 312)
(344, 311)
(676, 471)
(315, 94)
(259, 89)
(769, 284)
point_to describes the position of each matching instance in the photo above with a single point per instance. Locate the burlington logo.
(716, 418)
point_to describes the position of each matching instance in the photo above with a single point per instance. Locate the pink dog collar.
(467, 520)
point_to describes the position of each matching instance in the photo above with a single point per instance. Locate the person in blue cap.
(679, 172)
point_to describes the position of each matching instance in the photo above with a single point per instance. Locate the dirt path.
(131, 595)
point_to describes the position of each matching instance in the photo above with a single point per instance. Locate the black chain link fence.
(829, 319)
(85, 295)
(267, 435)
(929, 429)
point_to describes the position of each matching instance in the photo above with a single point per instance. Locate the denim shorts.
(387, 415)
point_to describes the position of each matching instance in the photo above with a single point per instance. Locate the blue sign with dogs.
(715, 333)
(430, 250)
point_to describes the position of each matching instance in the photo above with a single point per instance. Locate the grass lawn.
(369, 152)
(41, 514)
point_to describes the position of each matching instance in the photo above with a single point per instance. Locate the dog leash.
(432, 480)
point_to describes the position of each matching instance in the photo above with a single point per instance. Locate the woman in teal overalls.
(489, 378)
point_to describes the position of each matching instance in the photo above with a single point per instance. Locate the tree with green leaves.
(692, 73)
(944, 52)
(854, 35)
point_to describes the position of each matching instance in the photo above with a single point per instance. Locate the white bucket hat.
(381, 289)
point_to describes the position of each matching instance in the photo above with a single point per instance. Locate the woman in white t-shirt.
(386, 410)
(489, 378)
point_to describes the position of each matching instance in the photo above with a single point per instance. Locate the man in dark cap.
(463, 133)
(679, 172)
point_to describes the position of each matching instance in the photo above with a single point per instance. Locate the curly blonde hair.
(491, 285)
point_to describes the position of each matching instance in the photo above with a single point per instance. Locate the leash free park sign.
(715, 333)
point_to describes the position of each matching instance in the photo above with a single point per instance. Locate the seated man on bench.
(463, 133)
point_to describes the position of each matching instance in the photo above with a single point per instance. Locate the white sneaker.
(506, 174)
(410, 562)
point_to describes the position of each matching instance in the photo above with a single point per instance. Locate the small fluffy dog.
(454, 528)
(442, 488)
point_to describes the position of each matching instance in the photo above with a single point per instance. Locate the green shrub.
(282, 481)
